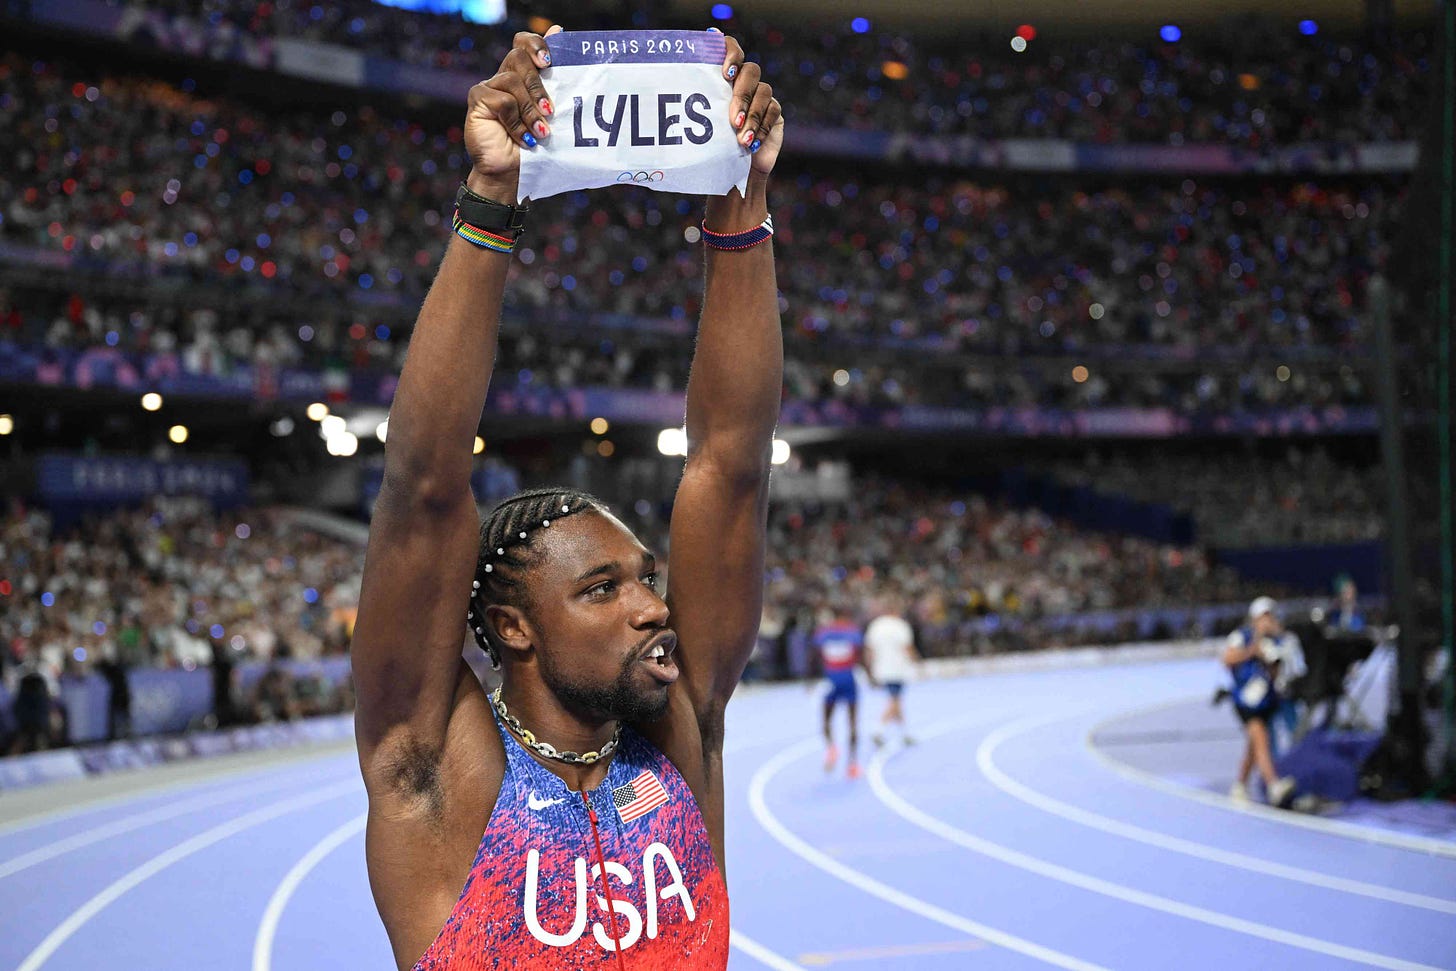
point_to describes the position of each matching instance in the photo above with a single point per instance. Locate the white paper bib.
(636, 107)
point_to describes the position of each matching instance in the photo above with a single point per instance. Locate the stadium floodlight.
(317, 411)
(781, 452)
(479, 446)
(177, 434)
(7, 424)
(282, 427)
(343, 444)
(1018, 44)
(672, 441)
(381, 431)
(151, 401)
(599, 426)
(332, 426)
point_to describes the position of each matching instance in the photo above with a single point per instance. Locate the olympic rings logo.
(640, 177)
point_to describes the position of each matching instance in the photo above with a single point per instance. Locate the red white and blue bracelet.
(740, 241)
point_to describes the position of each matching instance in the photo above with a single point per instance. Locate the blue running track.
(1001, 841)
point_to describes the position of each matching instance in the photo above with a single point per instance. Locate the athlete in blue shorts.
(840, 647)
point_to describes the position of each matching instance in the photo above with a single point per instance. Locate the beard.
(621, 699)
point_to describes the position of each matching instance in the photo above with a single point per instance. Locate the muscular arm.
(719, 518)
(422, 540)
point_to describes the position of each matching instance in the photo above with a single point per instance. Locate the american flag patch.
(639, 797)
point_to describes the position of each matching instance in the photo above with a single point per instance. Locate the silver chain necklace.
(546, 749)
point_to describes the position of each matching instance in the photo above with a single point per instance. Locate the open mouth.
(659, 659)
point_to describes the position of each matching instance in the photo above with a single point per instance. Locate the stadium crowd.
(214, 338)
(1303, 496)
(1253, 83)
(175, 584)
(165, 184)
(172, 584)
(145, 179)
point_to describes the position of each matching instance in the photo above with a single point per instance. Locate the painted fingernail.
(738, 122)
(748, 137)
(754, 147)
(529, 139)
(541, 130)
(545, 105)
(546, 58)
(714, 30)
(732, 71)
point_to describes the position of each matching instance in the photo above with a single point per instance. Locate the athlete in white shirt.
(891, 658)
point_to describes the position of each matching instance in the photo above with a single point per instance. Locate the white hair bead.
(566, 509)
(500, 551)
(475, 584)
(489, 568)
(523, 534)
(546, 523)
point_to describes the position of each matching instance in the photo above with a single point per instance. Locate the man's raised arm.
(719, 519)
(423, 537)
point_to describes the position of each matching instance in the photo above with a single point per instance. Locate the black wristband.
(494, 217)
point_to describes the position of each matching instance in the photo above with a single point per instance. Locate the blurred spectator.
(38, 716)
(1345, 614)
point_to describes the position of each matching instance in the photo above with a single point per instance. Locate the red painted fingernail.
(738, 122)
(541, 129)
(545, 105)
(748, 137)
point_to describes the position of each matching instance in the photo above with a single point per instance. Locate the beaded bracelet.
(483, 238)
(740, 241)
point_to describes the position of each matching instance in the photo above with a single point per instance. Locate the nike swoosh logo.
(536, 803)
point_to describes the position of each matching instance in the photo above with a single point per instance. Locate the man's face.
(1266, 625)
(598, 618)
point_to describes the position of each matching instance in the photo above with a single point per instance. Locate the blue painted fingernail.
(546, 56)
(714, 30)
(733, 71)
(756, 142)
(529, 139)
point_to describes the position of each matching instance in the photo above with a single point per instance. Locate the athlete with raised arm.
(575, 818)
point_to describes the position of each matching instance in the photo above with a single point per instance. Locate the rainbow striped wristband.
(483, 238)
(743, 240)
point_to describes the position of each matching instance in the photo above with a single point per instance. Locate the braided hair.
(508, 549)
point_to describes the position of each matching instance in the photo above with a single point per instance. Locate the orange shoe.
(853, 771)
(831, 757)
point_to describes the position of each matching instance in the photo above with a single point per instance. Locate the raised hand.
(753, 111)
(506, 112)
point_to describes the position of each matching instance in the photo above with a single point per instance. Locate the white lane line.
(869, 885)
(1117, 891)
(181, 851)
(985, 760)
(760, 953)
(1368, 834)
(221, 775)
(736, 937)
(129, 823)
(273, 913)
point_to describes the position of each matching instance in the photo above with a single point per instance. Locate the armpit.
(412, 770)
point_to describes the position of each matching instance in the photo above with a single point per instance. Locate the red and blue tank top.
(535, 897)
